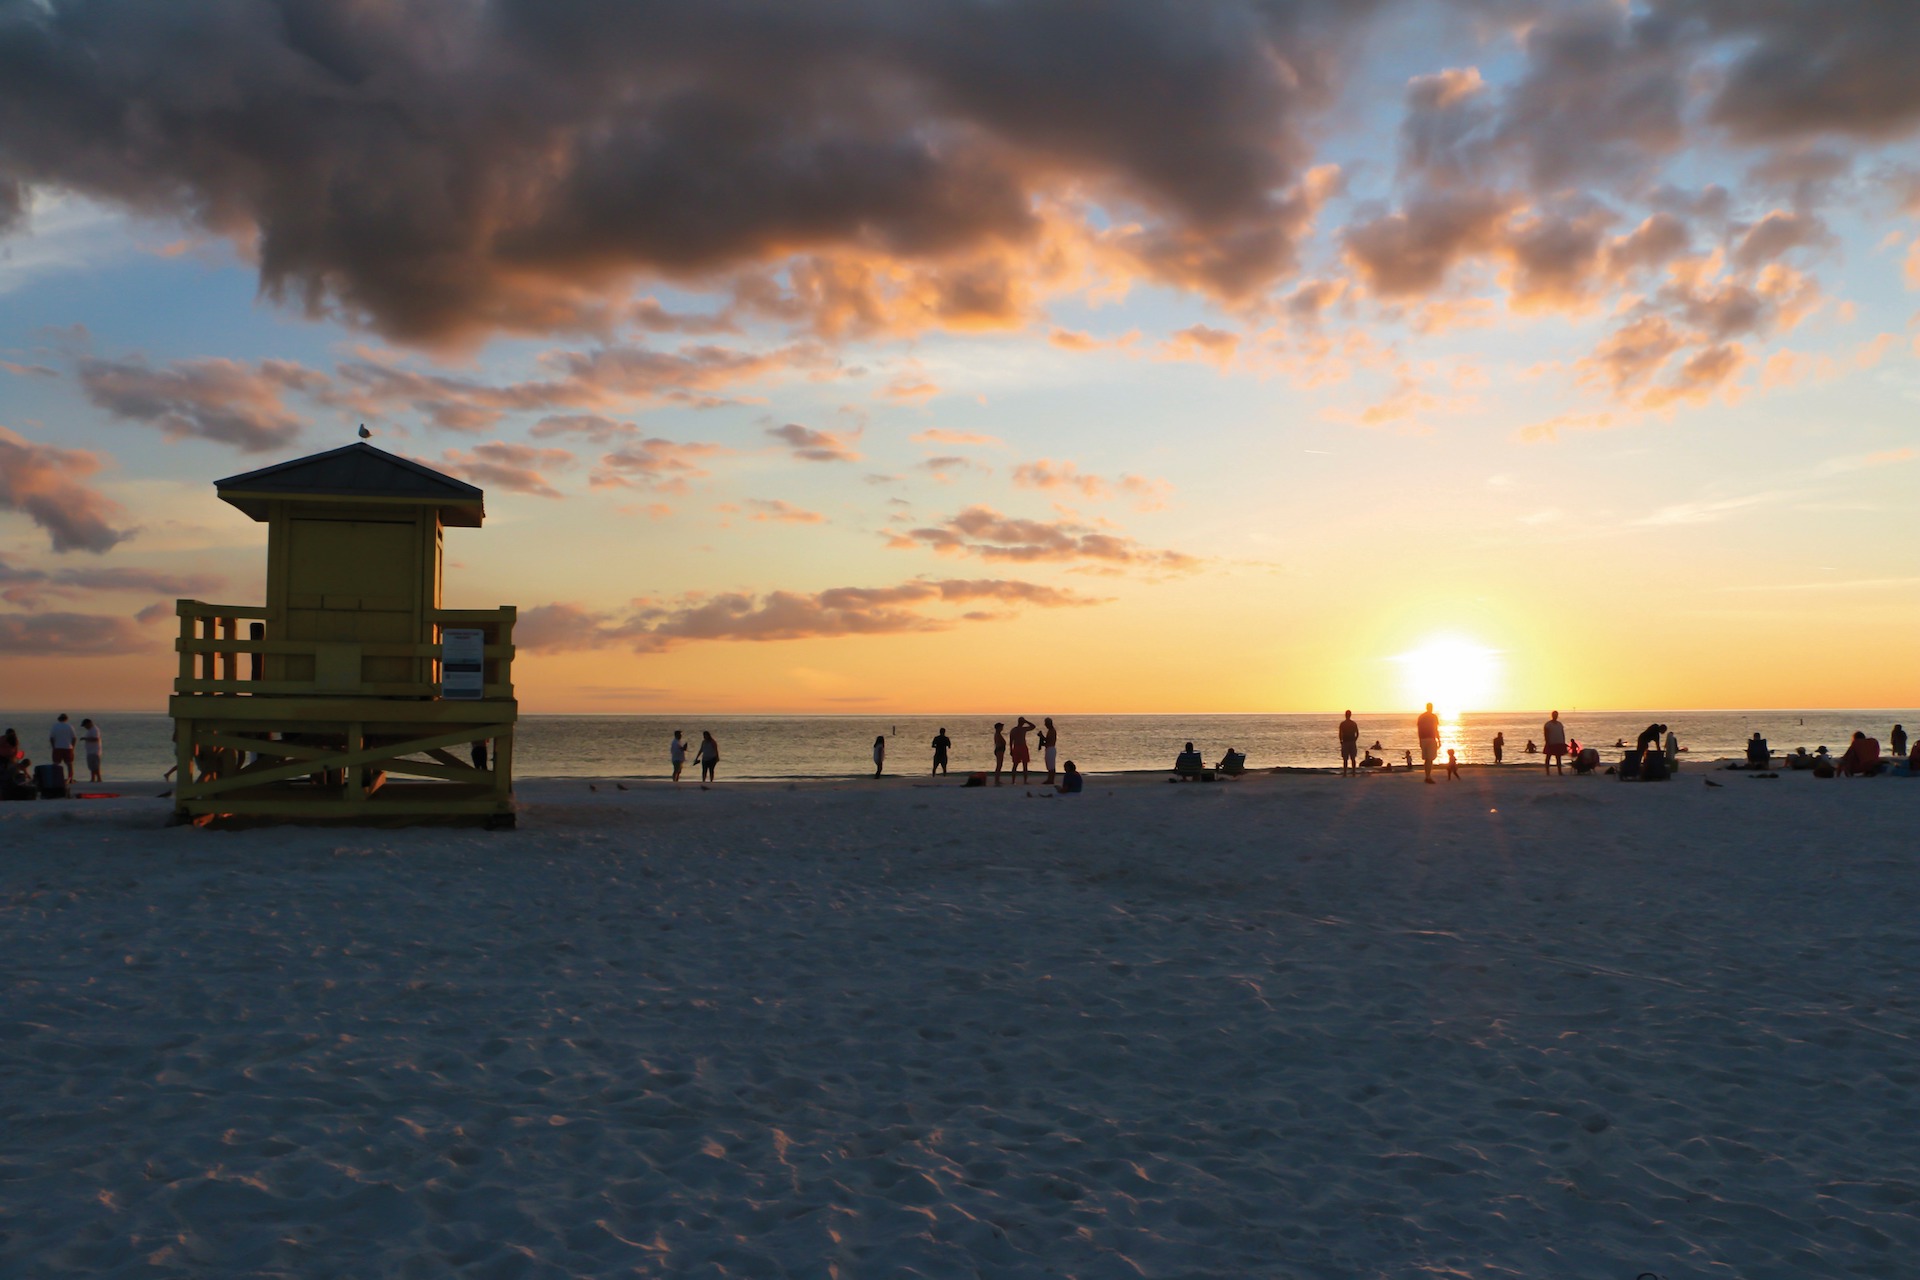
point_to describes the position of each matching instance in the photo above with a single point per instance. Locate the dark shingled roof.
(357, 471)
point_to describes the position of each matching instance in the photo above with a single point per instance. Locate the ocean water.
(139, 747)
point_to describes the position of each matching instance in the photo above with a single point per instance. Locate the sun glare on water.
(1453, 673)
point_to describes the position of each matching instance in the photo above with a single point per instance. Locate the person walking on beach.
(709, 756)
(1555, 734)
(61, 738)
(90, 745)
(1453, 767)
(677, 754)
(879, 754)
(1428, 727)
(999, 750)
(941, 745)
(1021, 757)
(1049, 748)
(1349, 747)
(1499, 746)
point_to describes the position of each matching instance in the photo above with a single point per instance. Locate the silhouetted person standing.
(1049, 748)
(1428, 727)
(90, 747)
(999, 750)
(1022, 758)
(1555, 735)
(1349, 746)
(1499, 747)
(879, 754)
(1897, 740)
(709, 757)
(61, 738)
(941, 745)
(677, 754)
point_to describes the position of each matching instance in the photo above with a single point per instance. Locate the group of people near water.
(1011, 754)
(63, 738)
(1655, 753)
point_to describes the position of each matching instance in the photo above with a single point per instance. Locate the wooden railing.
(224, 650)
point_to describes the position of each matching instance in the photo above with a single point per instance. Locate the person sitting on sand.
(1556, 735)
(941, 745)
(1188, 760)
(999, 750)
(709, 756)
(1371, 761)
(1453, 767)
(1021, 758)
(1758, 756)
(1071, 782)
(1349, 746)
(1427, 727)
(1861, 759)
(879, 754)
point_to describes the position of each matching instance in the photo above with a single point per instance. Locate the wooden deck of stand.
(328, 750)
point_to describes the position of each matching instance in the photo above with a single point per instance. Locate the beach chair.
(1233, 764)
(1192, 767)
(1630, 767)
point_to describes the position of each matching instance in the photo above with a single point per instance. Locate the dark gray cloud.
(448, 168)
(45, 483)
(1806, 67)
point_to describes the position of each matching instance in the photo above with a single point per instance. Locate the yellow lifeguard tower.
(351, 673)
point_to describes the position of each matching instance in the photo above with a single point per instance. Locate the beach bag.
(51, 780)
(1654, 767)
(1630, 767)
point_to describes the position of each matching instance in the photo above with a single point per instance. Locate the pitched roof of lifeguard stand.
(356, 471)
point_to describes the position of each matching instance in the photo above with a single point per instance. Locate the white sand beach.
(1286, 1026)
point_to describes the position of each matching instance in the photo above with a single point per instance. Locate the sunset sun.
(1454, 673)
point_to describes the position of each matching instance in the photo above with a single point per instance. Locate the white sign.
(463, 668)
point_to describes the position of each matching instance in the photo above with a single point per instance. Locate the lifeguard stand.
(351, 673)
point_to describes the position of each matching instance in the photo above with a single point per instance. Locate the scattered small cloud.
(652, 626)
(816, 446)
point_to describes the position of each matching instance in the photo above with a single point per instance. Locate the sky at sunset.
(978, 355)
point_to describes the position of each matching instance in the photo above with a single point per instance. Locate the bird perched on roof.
(364, 433)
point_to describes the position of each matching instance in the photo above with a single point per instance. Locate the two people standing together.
(708, 755)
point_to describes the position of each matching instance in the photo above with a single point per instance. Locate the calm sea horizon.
(139, 746)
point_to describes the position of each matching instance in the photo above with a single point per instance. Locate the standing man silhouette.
(941, 745)
(1555, 734)
(1428, 727)
(1349, 747)
(1499, 747)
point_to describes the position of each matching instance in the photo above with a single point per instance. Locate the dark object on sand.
(51, 781)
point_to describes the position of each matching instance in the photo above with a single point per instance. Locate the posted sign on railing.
(463, 670)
